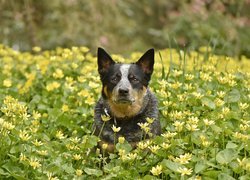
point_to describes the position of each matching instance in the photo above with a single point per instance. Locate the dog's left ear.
(104, 60)
(146, 62)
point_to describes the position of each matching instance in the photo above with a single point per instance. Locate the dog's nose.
(123, 91)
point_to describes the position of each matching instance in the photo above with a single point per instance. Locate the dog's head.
(125, 85)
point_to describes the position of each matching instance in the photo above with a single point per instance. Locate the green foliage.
(46, 118)
(223, 25)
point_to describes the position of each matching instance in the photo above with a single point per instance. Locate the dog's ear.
(104, 60)
(146, 62)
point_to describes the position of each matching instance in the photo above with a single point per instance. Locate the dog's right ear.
(104, 60)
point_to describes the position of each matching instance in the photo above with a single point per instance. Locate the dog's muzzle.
(123, 96)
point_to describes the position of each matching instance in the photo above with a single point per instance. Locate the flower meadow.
(46, 117)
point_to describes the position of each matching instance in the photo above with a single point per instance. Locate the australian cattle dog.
(126, 103)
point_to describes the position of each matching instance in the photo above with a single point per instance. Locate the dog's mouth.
(123, 100)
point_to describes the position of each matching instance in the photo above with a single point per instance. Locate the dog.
(126, 100)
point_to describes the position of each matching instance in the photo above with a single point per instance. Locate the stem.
(101, 129)
(114, 138)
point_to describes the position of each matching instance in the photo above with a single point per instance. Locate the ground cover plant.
(46, 117)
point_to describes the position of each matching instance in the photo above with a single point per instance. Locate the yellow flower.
(83, 93)
(22, 157)
(58, 74)
(74, 65)
(60, 135)
(205, 77)
(189, 86)
(24, 136)
(50, 176)
(181, 97)
(7, 83)
(93, 85)
(206, 143)
(65, 108)
(192, 127)
(169, 134)
(75, 140)
(52, 86)
(37, 143)
(176, 85)
(116, 129)
(184, 171)
(193, 120)
(178, 125)
(42, 152)
(163, 83)
(154, 148)
(105, 118)
(121, 140)
(90, 100)
(132, 156)
(104, 146)
(36, 49)
(79, 172)
(77, 157)
(36, 115)
(177, 73)
(178, 115)
(144, 126)
(150, 120)
(197, 95)
(81, 79)
(165, 145)
(241, 136)
(221, 94)
(243, 162)
(243, 127)
(35, 163)
(7, 125)
(207, 122)
(84, 49)
(243, 106)
(156, 170)
(222, 80)
(232, 83)
(225, 110)
(184, 159)
(219, 102)
(189, 77)
(205, 49)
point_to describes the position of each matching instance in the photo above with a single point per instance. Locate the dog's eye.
(133, 78)
(115, 78)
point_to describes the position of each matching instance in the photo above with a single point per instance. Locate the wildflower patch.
(46, 118)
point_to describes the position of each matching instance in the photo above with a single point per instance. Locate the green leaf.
(174, 166)
(68, 168)
(208, 102)
(211, 174)
(233, 96)
(231, 145)
(3, 173)
(245, 177)
(91, 171)
(223, 176)
(216, 129)
(89, 141)
(125, 146)
(200, 166)
(148, 177)
(226, 156)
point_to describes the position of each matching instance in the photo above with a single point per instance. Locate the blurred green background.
(122, 26)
